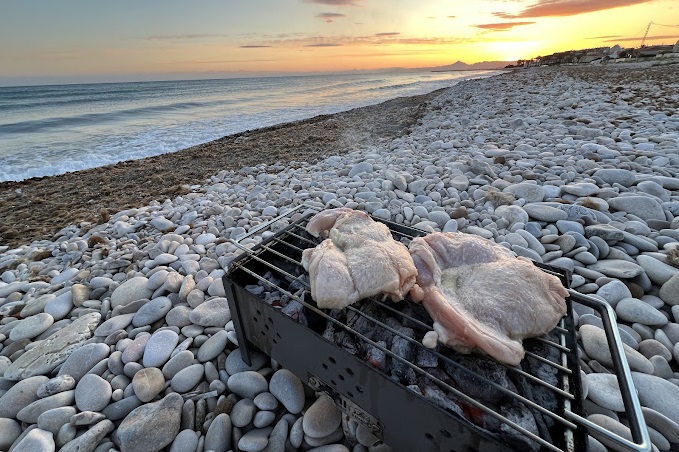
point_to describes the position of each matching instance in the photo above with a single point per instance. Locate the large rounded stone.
(218, 436)
(669, 292)
(247, 384)
(151, 427)
(288, 389)
(596, 346)
(131, 290)
(186, 379)
(9, 432)
(147, 383)
(322, 418)
(214, 312)
(22, 394)
(36, 440)
(83, 360)
(92, 393)
(159, 348)
(31, 327)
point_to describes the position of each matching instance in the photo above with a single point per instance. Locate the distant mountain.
(460, 66)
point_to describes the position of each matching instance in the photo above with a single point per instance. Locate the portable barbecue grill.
(399, 414)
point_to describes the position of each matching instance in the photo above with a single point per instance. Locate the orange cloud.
(504, 26)
(547, 8)
(390, 33)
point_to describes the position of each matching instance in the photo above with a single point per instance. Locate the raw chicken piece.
(481, 297)
(359, 259)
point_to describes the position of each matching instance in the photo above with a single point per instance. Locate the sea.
(55, 129)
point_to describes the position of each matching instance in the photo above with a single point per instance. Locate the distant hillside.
(460, 66)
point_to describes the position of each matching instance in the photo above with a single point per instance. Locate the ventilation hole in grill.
(262, 332)
(359, 389)
(349, 371)
(267, 327)
(445, 433)
(428, 435)
(350, 394)
(270, 321)
(279, 336)
(325, 366)
(258, 312)
(332, 360)
(255, 319)
(341, 377)
(333, 382)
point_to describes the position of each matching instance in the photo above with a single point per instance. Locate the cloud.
(550, 8)
(329, 17)
(324, 44)
(452, 17)
(605, 37)
(253, 47)
(389, 33)
(503, 26)
(333, 2)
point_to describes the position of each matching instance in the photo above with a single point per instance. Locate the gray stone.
(52, 420)
(247, 384)
(657, 394)
(255, 440)
(322, 418)
(605, 231)
(596, 346)
(511, 213)
(266, 401)
(9, 432)
(178, 316)
(152, 311)
(88, 441)
(634, 310)
(288, 389)
(278, 437)
(22, 394)
(82, 360)
(54, 350)
(148, 383)
(152, 426)
(31, 327)
(611, 425)
(218, 436)
(613, 292)
(658, 272)
(31, 412)
(177, 362)
(243, 412)
(159, 348)
(669, 292)
(603, 389)
(661, 368)
(214, 312)
(186, 440)
(36, 440)
(527, 191)
(641, 206)
(55, 385)
(92, 393)
(666, 426)
(87, 418)
(120, 409)
(131, 290)
(212, 347)
(580, 189)
(186, 379)
(439, 217)
(118, 322)
(612, 176)
(263, 418)
(542, 212)
(234, 362)
(617, 268)
(362, 167)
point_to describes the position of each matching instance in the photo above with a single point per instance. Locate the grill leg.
(243, 343)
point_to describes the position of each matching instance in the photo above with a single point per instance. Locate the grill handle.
(637, 424)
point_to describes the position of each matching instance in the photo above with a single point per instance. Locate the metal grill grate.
(368, 394)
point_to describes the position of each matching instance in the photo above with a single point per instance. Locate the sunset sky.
(154, 39)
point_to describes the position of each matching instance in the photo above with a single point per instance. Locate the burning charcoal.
(425, 358)
(376, 357)
(295, 310)
(345, 341)
(362, 324)
(298, 284)
(406, 350)
(471, 384)
(418, 312)
(521, 415)
(329, 333)
(538, 394)
(436, 395)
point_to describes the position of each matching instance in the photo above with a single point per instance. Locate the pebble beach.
(115, 333)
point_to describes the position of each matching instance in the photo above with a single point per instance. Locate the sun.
(511, 50)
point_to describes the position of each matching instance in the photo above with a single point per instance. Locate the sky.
(90, 40)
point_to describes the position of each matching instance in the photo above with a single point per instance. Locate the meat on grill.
(359, 259)
(481, 297)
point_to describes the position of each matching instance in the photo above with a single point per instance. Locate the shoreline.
(37, 208)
